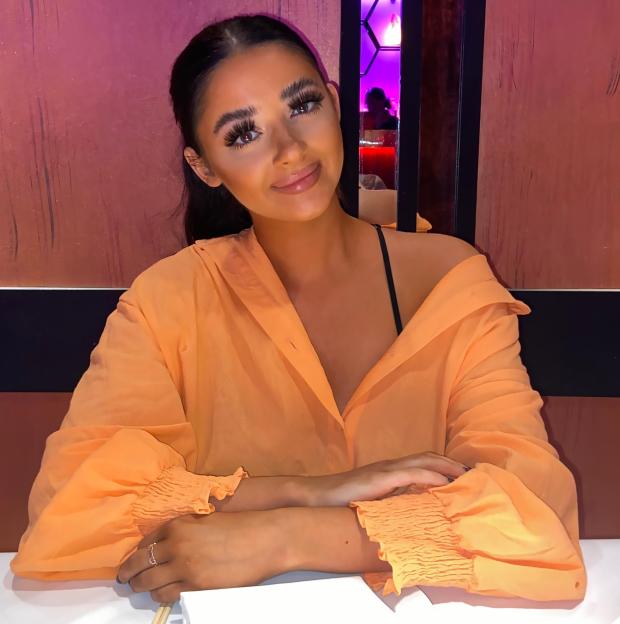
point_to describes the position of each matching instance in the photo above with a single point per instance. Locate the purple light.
(392, 35)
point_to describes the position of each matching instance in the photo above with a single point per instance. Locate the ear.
(333, 91)
(201, 168)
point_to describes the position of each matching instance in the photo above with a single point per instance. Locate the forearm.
(371, 482)
(266, 493)
(328, 539)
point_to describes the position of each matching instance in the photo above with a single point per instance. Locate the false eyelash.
(239, 129)
(306, 98)
(248, 125)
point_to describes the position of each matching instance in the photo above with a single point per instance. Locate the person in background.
(378, 116)
(297, 389)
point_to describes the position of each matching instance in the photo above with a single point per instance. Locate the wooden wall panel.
(586, 431)
(25, 422)
(548, 190)
(89, 153)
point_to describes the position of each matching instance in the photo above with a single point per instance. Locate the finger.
(139, 561)
(168, 593)
(399, 490)
(413, 476)
(436, 459)
(154, 578)
(421, 477)
(436, 463)
(409, 489)
(156, 536)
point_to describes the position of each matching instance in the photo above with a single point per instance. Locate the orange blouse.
(205, 367)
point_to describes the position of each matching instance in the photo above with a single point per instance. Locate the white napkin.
(341, 599)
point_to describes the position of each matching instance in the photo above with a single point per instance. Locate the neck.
(312, 254)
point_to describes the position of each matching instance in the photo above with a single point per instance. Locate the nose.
(289, 147)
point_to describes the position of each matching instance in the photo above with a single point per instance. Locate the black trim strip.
(47, 336)
(349, 91)
(468, 134)
(570, 342)
(408, 159)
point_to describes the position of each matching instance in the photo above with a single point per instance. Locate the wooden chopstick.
(161, 617)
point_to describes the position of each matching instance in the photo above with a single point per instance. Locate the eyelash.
(248, 125)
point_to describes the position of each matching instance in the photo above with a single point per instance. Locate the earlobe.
(200, 168)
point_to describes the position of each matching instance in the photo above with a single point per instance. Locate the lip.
(300, 181)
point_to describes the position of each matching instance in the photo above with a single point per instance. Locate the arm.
(245, 548)
(370, 482)
(121, 463)
(509, 526)
(329, 539)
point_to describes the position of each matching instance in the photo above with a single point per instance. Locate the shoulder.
(166, 292)
(455, 245)
(171, 273)
(450, 249)
(420, 261)
(437, 253)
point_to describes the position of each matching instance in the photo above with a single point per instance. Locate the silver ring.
(151, 551)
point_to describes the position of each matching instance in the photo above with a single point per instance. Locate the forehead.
(252, 75)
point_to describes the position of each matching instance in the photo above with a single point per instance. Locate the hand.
(205, 552)
(413, 473)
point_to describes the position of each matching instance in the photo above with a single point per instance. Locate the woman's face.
(267, 119)
(374, 105)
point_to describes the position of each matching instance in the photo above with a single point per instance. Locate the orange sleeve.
(120, 465)
(508, 527)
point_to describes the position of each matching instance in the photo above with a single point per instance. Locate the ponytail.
(209, 211)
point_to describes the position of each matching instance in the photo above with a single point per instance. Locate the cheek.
(243, 169)
(325, 139)
(322, 132)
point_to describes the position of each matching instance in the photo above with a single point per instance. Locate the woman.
(378, 116)
(259, 374)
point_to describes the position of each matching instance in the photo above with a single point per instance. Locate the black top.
(390, 280)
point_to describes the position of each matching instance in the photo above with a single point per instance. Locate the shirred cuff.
(417, 540)
(177, 492)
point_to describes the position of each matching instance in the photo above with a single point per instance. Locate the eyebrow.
(244, 113)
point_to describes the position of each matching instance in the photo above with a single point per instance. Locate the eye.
(241, 131)
(309, 101)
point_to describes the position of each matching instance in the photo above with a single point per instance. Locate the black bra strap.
(390, 280)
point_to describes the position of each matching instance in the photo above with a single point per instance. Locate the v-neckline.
(259, 277)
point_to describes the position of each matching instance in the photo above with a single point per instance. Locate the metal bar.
(349, 91)
(468, 134)
(408, 150)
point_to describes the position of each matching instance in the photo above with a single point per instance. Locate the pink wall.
(89, 153)
(548, 208)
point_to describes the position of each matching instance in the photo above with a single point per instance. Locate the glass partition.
(379, 106)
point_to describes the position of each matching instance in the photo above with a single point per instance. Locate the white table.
(24, 601)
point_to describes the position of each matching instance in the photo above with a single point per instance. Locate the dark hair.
(379, 94)
(212, 212)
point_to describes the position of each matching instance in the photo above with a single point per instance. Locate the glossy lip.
(292, 181)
